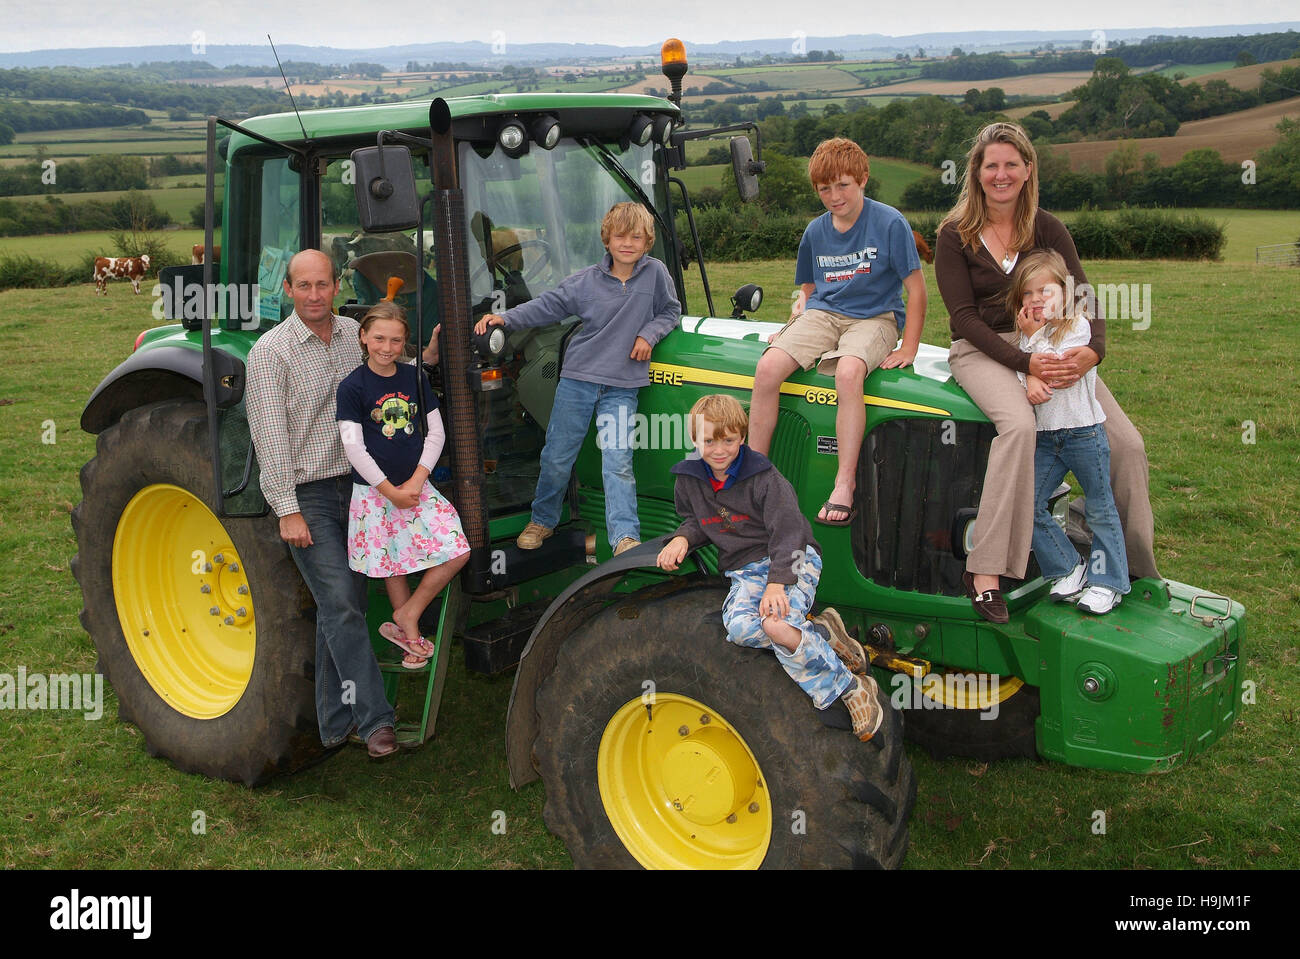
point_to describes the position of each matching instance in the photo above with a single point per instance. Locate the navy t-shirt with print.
(858, 273)
(389, 411)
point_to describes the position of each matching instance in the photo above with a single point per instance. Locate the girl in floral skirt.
(399, 523)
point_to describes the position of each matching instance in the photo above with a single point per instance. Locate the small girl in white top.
(1071, 438)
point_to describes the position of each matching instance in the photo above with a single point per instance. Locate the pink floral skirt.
(386, 541)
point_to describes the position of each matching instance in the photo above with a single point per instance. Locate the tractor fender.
(167, 372)
(583, 598)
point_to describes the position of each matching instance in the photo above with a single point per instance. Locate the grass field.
(84, 794)
(69, 248)
(177, 202)
(1237, 136)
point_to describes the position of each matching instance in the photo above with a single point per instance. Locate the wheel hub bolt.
(682, 730)
(731, 818)
(234, 567)
(241, 611)
(229, 621)
(205, 588)
(753, 807)
(213, 611)
(219, 558)
(207, 567)
(242, 591)
(704, 719)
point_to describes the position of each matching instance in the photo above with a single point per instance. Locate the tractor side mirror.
(745, 168)
(386, 197)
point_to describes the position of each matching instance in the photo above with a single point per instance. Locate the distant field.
(1037, 84)
(142, 147)
(893, 176)
(1193, 70)
(69, 248)
(1237, 136)
(176, 202)
(1053, 110)
(1243, 78)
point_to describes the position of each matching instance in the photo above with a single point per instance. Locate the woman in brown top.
(997, 218)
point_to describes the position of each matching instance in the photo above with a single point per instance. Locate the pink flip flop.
(417, 651)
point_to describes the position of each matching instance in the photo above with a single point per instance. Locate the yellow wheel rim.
(681, 787)
(184, 602)
(958, 690)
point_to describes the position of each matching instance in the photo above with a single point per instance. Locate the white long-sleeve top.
(354, 445)
(1075, 405)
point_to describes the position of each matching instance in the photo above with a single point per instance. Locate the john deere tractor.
(659, 743)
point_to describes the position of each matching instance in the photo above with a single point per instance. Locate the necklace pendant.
(1006, 263)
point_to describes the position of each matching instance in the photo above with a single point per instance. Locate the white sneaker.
(1072, 584)
(1098, 600)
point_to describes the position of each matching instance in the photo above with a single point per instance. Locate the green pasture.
(1246, 229)
(78, 793)
(794, 79)
(69, 248)
(176, 201)
(142, 146)
(894, 176)
(1193, 70)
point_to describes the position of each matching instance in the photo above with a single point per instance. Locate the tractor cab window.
(376, 266)
(263, 222)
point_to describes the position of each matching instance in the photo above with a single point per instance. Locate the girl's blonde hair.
(1050, 262)
(384, 310)
(971, 212)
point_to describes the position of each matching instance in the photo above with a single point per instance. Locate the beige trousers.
(1005, 525)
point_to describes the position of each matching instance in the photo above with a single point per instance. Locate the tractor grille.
(913, 477)
(789, 451)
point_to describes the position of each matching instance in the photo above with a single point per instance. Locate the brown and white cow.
(196, 254)
(131, 268)
(922, 248)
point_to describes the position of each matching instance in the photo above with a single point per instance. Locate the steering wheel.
(494, 263)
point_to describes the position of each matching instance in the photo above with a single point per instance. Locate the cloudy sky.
(347, 23)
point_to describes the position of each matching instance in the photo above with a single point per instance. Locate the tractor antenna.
(287, 88)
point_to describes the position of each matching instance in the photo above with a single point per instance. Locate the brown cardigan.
(974, 289)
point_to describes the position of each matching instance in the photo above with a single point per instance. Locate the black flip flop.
(828, 506)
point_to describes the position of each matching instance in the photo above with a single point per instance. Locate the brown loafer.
(989, 603)
(382, 742)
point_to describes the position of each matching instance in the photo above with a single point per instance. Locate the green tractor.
(659, 743)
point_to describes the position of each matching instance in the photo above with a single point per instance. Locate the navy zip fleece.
(757, 517)
(613, 315)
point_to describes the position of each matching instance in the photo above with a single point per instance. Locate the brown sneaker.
(382, 742)
(864, 706)
(626, 543)
(532, 536)
(848, 649)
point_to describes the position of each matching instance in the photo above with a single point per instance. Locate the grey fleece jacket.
(613, 315)
(757, 517)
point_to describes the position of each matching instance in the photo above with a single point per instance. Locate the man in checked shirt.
(294, 373)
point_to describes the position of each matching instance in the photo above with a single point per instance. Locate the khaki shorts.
(822, 337)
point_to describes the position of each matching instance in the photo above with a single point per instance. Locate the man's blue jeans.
(349, 686)
(1085, 452)
(615, 408)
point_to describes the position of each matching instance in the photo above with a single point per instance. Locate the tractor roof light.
(546, 131)
(672, 60)
(640, 129)
(513, 138)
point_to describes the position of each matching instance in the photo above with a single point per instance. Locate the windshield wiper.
(610, 163)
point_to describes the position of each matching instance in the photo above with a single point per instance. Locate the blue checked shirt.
(293, 380)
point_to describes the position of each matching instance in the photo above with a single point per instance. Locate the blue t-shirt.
(859, 273)
(387, 408)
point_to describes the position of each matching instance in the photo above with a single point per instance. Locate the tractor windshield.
(535, 219)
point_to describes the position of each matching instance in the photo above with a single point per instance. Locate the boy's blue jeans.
(575, 401)
(813, 665)
(1085, 452)
(349, 685)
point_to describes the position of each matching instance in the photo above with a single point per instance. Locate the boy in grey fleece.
(627, 304)
(732, 496)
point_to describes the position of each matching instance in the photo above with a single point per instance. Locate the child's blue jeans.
(813, 665)
(575, 401)
(1085, 452)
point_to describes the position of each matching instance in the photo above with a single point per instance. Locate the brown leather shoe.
(989, 603)
(864, 706)
(848, 649)
(382, 742)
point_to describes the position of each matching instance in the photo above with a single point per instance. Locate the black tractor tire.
(852, 799)
(271, 728)
(964, 733)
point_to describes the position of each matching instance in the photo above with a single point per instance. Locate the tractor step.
(496, 645)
